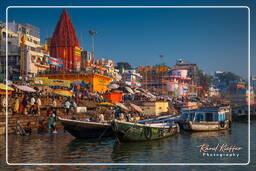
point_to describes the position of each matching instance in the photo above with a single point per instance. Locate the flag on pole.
(55, 61)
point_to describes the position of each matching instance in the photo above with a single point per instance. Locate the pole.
(22, 63)
(92, 44)
(22, 58)
(92, 33)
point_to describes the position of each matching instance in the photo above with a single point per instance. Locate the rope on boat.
(103, 133)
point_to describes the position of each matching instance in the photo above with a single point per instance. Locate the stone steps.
(24, 119)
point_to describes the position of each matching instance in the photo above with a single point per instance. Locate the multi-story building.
(181, 79)
(13, 53)
(192, 70)
(132, 77)
(34, 54)
(178, 82)
(153, 78)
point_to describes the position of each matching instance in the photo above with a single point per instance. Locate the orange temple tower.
(64, 43)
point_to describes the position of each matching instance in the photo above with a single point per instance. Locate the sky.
(215, 39)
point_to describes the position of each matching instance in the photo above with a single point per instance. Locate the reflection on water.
(93, 149)
(63, 148)
(137, 151)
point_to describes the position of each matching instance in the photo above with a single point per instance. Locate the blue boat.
(206, 119)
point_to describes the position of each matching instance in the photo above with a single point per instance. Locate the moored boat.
(84, 129)
(127, 131)
(206, 119)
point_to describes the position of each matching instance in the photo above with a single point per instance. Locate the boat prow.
(85, 129)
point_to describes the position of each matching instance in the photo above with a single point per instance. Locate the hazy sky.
(215, 39)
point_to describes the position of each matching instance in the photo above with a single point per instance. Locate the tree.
(123, 65)
(228, 77)
(204, 79)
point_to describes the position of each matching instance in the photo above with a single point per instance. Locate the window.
(199, 117)
(208, 117)
(221, 117)
(184, 116)
(33, 49)
(191, 116)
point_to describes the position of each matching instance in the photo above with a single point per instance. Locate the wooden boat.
(84, 129)
(206, 119)
(241, 113)
(127, 131)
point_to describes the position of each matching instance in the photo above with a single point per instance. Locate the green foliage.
(228, 76)
(203, 77)
(124, 65)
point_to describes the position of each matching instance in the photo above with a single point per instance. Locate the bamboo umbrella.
(121, 106)
(63, 92)
(4, 87)
(137, 108)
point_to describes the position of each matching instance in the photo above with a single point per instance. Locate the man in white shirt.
(32, 103)
(67, 106)
(101, 118)
(39, 103)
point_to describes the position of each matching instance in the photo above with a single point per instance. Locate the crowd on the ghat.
(45, 103)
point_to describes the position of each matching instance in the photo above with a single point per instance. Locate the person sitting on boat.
(74, 106)
(117, 113)
(67, 106)
(121, 116)
(101, 118)
(128, 117)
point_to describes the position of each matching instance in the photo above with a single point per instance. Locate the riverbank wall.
(34, 120)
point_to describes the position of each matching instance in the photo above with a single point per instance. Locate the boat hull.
(205, 126)
(81, 129)
(130, 132)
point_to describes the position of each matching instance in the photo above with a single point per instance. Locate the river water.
(181, 148)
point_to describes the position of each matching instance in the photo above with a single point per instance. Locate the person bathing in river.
(41, 127)
(50, 124)
(117, 113)
(54, 130)
(28, 129)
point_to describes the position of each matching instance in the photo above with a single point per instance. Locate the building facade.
(27, 56)
(13, 53)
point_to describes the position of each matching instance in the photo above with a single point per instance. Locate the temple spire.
(64, 42)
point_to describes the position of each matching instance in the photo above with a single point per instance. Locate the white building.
(132, 77)
(34, 52)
